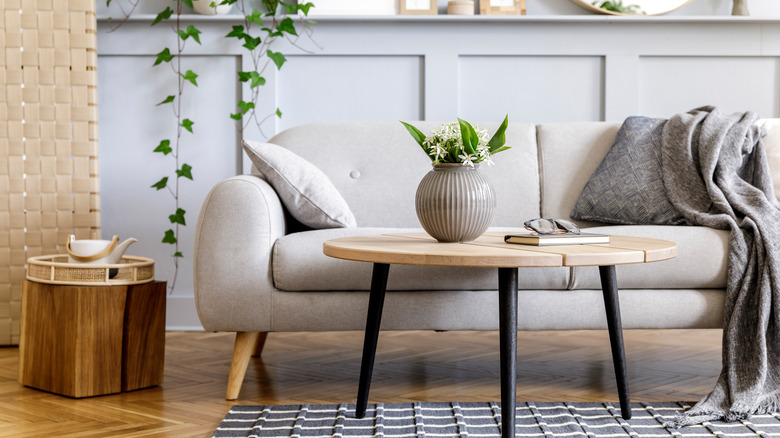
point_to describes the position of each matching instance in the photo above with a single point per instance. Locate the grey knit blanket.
(716, 174)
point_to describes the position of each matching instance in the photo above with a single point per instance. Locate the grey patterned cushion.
(304, 189)
(627, 187)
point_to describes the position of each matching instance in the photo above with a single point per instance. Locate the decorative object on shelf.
(632, 7)
(454, 201)
(353, 7)
(740, 7)
(502, 7)
(97, 252)
(55, 269)
(211, 7)
(460, 7)
(419, 7)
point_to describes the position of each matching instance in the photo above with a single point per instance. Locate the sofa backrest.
(569, 154)
(377, 166)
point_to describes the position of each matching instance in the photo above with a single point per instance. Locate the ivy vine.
(261, 29)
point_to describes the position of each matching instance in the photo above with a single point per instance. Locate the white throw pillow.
(305, 190)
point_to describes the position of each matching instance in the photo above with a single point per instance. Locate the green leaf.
(178, 254)
(161, 184)
(499, 138)
(418, 136)
(236, 116)
(469, 135)
(254, 76)
(305, 7)
(251, 43)
(187, 124)
(245, 106)
(188, 3)
(168, 99)
(191, 31)
(190, 76)
(169, 237)
(278, 113)
(185, 171)
(502, 148)
(277, 58)
(164, 147)
(178, 217)
(164, 56)
(255, 17)
(164, 15)
(237, 32)
(287, 25)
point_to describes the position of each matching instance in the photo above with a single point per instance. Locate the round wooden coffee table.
(490, 250)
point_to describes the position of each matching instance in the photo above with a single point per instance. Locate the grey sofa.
(254, 276)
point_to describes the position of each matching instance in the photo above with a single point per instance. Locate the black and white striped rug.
(479, 420)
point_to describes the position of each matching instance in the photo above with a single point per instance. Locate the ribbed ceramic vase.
(455, 203)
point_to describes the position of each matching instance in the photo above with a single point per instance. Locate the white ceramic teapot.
(105, 252)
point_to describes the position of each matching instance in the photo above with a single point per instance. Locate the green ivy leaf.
(161, 184)
(164, 56)
(164, 147)
(237, 32)
(187, 124)
(251, 43)
(178, 217)
(188, 3)
(257, 80)
(191, 31)
(185, 171)
(278, 113)
(236, 116)
(169, 237)
(245, 106)
(277, 58)
(190, 76)
(168, 99)
(164, 15)
(178, 254)
(305, 7)
(255, 17)
(287, 25)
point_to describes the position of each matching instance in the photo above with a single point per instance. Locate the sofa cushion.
(772, 146)
(300, 265)
(307, 193)
(628, 187)
(701, 261)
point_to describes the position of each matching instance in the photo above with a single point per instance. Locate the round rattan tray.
(55, 269)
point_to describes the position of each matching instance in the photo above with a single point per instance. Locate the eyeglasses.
(552, 226)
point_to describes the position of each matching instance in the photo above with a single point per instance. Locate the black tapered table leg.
(612, 305)
(376, 301)
(507, 320)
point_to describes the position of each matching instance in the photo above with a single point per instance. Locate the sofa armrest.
(239, 222)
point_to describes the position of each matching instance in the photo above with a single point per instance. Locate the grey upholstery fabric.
(627, 187)
(305, 190)
(379, 166)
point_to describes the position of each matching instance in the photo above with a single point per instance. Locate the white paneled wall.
(537, 68)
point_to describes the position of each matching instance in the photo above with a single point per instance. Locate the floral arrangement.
(460, 142)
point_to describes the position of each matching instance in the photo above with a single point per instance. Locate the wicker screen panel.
(49, 186)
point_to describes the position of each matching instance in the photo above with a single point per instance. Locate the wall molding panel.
(535, 68)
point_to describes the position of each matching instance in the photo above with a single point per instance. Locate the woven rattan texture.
(49, 185)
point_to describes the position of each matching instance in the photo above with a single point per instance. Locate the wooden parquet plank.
(664, 365)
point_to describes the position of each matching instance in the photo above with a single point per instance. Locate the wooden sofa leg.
(261, 337)
(242, 352)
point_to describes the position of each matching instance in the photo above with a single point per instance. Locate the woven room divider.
(49, 186)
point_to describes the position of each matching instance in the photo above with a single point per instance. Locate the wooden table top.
(490, 250)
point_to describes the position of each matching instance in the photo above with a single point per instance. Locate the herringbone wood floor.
(668, 365)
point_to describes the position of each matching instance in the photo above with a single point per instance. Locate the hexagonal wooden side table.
(82, 341)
